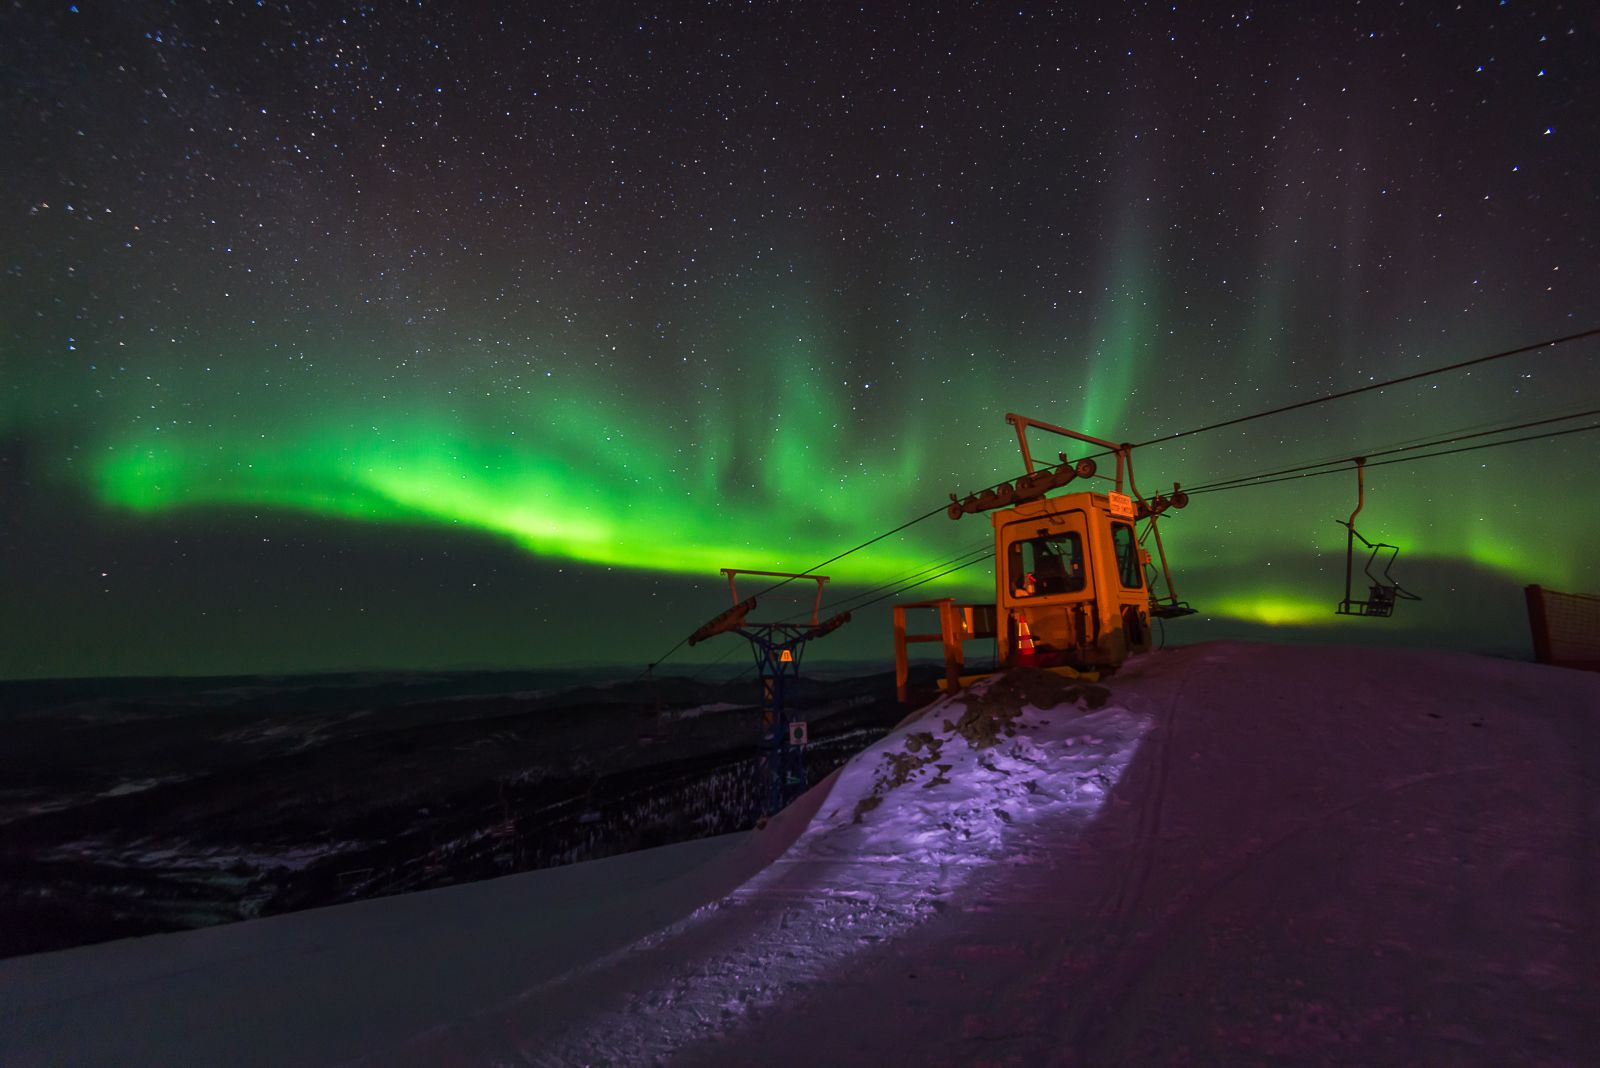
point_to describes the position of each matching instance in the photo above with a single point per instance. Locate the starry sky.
(482, 335)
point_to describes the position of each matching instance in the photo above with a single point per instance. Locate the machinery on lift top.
(1075, 585)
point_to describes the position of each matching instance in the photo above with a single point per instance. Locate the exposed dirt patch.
(990, 717)
(992, 713)
(922, 749)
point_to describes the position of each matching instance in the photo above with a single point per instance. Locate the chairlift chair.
(1383, 590)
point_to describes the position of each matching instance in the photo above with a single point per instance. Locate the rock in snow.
(1227, 853)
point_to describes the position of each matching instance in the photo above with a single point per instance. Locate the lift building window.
(1053, 563)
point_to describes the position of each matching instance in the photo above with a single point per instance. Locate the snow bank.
(898, 833)
(941, 790)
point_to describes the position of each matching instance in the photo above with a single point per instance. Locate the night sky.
(425, 335)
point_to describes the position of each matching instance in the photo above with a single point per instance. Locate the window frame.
(1132, 560)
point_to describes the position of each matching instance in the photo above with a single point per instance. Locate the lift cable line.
(1496, 424)
(1309, 402)
(1267, 481)
(1549, 343)
(870, 541)
(960, 559)
(1230, 483)
(987, 553)
(904, 581)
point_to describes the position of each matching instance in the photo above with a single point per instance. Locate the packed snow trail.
(1249, 854)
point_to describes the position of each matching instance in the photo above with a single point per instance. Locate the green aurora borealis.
(362, 343)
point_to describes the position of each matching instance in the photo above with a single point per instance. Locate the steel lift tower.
(778, 648)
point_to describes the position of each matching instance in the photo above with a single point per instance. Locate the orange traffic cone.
(1026, 654)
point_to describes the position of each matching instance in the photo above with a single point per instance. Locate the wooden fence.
(1566, 628)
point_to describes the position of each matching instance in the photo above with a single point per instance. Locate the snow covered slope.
(1229, 854)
